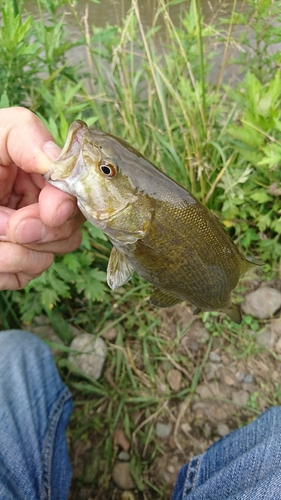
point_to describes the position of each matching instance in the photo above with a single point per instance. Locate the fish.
(157, 227)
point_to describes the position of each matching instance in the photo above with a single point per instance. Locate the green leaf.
(261, 196)
(59, 324)
(4, 101)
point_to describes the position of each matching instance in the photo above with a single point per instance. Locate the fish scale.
(157, 227)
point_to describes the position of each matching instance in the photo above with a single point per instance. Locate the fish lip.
(48, 175)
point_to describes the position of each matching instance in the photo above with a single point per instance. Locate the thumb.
(25, 141)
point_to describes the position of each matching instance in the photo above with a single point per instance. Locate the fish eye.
(108, 169)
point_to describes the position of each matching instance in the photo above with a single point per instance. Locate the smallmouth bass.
(157, 228)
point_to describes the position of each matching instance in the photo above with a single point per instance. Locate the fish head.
(89, 169)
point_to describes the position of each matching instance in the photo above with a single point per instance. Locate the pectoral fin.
(119, 271)
(160, 298)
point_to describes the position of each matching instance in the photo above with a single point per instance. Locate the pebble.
(209, 390)
(262, 303)
(46, 331)
(240, 397)
(194, 346)
(266, 339)
(214, 357)
(163, 431)
(110, 332)
(171, 468)
(124, 456)
(240, 375)
(222, 429)
(227, 377)
(122, 477)
(248, 379)
(210, 370)
(278, 346)
(186, 428)
(275, 326)
(174, 379)
(204, 391)
(94, 353)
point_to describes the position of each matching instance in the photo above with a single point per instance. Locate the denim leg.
(35, 407)
(244, 465)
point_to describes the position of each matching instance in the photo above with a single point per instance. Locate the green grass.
(152, 87)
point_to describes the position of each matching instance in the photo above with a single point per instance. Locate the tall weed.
(153, 88)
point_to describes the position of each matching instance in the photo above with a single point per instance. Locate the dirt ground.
(235, 377)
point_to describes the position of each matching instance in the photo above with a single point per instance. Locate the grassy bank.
(165, 91)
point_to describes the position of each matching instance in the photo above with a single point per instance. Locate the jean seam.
(191, 475)
(49, 443)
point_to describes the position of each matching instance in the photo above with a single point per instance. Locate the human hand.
(36, 219)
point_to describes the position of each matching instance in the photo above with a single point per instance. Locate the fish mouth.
(63, 166)
(48, 175)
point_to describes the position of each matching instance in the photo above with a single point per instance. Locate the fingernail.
(3, 223)
(64, 212)
(51, 149)
(30, 230)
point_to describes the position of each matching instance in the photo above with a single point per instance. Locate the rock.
(227, 377)
(163, 431)
(249, 388)
(214, 357)
(207, 430)
(222, 429)
(194, 346)
(204, 391)
(275, 326)
(278, 346)
(122, 477)
(120, 438)
(240, 397)
(123, 456)
(210, 370)
(240, 375)
(45, 331)
(174, 379)
(248, 379)
(213, 411)
(208, 390)
(94, 353)
(110, 332)
(198, 331)
(196, 334)
(160, 384)
(262, 303)
(266, 339)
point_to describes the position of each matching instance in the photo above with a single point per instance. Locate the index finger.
(22, 138)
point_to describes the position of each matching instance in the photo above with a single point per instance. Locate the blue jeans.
(35, 407)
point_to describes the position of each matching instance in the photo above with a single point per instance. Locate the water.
(113, 11)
